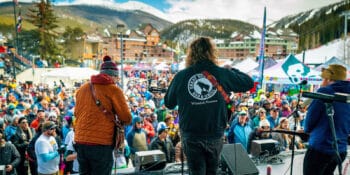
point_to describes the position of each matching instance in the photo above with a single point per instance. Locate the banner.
(262, 51)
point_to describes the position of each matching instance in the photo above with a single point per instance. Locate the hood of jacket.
(102, 79)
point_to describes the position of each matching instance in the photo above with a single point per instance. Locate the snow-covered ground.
(325, 52)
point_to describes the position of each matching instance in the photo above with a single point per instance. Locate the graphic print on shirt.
(200, 88)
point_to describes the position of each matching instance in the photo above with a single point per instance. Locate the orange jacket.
(92, 126)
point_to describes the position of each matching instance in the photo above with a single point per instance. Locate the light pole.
(121, 55)
(15, 3)
(346, 15)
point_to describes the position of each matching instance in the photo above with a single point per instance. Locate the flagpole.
(15, 3)
(262, 52)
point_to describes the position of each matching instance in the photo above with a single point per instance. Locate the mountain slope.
(93, 17)
(183, 32)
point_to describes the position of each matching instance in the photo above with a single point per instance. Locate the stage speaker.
(264, 147)
(149, 160)
(236, 159)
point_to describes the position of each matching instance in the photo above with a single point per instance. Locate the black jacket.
(166, 147)
(202, 109)
(9, 155)
(20, 141)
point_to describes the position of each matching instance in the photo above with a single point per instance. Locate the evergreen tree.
(71, 36)
(42, 16)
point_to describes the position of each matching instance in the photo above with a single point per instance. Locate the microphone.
(304, 82)
(339, 97)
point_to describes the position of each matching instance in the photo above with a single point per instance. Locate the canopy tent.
(246, 65)
(268, 63)
(289, 71)
(126, 67)
(333, 60)
(225, 62)
(142, 66)
(69, 75)
(161, 67)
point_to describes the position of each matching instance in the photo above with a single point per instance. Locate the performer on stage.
(94, 130)
(202, 108)
(320, 157)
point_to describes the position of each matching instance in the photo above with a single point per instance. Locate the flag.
(262, 51)
(15, 1)
(19, 22)
(295, 69)
(19, 27)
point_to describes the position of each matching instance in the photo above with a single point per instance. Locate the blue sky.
(250, 11)
(159, 4)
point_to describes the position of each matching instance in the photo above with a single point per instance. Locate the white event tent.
(69, 75)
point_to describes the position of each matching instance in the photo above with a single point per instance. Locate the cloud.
(250, 11)
(245, 10)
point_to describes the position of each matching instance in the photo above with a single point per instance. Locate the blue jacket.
(202, 109)
(317, 122)
(239, 134)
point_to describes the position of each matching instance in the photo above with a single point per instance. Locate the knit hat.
(136, 119)
(334, 72)
(264, 123)
(48, 125)
(109, 67)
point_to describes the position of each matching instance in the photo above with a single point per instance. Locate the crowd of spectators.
(26, 107)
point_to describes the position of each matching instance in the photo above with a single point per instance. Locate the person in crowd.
(148, 127)
(21, 139)
(94, 129)
(202, 109)
(46, 150)
(266, 104)
(163, 143)
(285, 109)
(71, 161)
(259, 133)
(2, 125)
(274, 117)
(173, 129)
(137, 137)
(276, 100)
(11, 128)
(283, 139)
(10, 113)
(254, 110)
(9, 156)
(179, 152)
(261, 116)
(33, 164)
(147, 123)
(40, 118)
(240, 130)
(321, 157)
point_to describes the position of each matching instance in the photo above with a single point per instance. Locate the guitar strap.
(215, 83)
(107, 113)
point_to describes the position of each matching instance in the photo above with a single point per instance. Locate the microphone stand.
(295, 114)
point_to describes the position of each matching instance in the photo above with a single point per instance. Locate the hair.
(200, 49)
